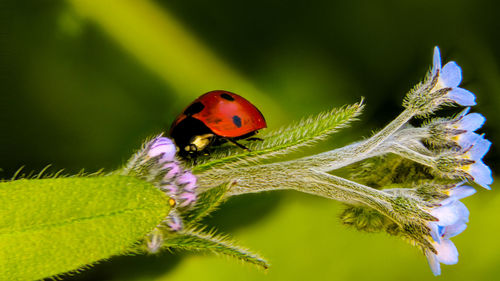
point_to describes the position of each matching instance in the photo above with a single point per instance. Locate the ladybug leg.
(238, 144)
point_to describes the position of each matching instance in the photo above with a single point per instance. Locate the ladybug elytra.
(214, 118)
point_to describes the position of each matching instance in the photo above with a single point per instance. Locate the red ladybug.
(214, 118)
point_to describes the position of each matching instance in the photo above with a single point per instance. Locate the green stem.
(313, 182)
(338, 158)
(420, 158)
(386, 132)
(361, 194)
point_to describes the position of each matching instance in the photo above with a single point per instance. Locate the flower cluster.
(440, 88)
(467, 150)
(454, 152)
(448, 78)
(461, 148)
(179, 184)
(452, 217)
(446, 131)
(157, 163)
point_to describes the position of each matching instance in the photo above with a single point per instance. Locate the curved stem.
(338, 158)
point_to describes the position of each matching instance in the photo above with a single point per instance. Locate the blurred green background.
(84, 82)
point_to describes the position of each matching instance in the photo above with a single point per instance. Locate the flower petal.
(433, 263)
(472, 122)
(466, 140)
(436, 61)
(462, 97)
(451, 213)
(171, 189)
(480, 148)
(462, 191)
(447, 252)
(454, 230)
(164, 147)
(451, 75)
(435, 231)
(187, 198)
(462, 211)
(458, 193)
(187, 179)
(481, 174)
(174, 222)
(172, 169)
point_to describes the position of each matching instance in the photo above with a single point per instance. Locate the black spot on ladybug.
(227, 97)
(237, 121)
(194, 108)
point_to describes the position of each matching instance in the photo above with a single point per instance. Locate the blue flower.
(479, 146)
(458, 130)
(452, 218)
(469, 122)
(472, 146)
(450, 76)
(466, 124)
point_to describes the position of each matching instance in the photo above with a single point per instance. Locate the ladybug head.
(198, 143)
(191, 136)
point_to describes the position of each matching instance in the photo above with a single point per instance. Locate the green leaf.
(52, 226)
(283, 141)
(203, 241)
(207, 202)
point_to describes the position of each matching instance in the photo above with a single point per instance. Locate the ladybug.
(214, 118)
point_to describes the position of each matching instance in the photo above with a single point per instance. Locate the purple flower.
(450, 76)
(188, 181)
(171, 177)
(170, 189)
(172, 169)
(187, 198)
(174, 222)
(452, 217)
(163, 147)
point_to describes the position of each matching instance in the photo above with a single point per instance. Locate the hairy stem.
(418, 157)
(310, 181)
(338, 158)
(358, 193)
(386, 132)
(309, 175)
